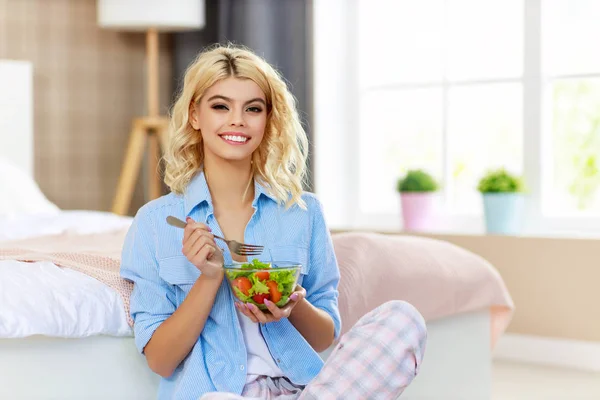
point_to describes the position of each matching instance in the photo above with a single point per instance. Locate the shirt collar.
(197, 192)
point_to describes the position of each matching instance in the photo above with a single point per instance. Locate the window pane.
(575, 176)
(399, 41)
(571, 30)
(399, 130)
(485, 39)
(484, 132)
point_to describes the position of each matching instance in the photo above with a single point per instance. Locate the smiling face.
(231, 116)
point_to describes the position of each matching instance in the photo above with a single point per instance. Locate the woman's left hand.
(256, 314)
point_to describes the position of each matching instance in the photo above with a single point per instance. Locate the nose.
(237, 118)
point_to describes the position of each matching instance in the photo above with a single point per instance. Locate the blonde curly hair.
(279, 163)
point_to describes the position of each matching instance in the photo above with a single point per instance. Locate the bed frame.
(457, 364)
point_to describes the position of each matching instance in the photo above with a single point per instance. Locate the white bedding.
(21, 226)
(43, 299)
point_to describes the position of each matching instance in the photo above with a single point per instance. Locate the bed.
(69, 332)
(77, 343)
(66, 335)
(48, 350)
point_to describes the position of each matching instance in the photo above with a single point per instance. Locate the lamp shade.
(162, 15)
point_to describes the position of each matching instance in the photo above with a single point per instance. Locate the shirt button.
(242, 367)
(278, 361)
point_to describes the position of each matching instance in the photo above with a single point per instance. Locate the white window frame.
(336, 127)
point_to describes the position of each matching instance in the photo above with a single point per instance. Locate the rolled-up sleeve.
(152, 300)
(323, 277)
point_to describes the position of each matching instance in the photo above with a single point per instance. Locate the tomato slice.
(243, 284)
(262, 275)
(275, 294)
(260, 298)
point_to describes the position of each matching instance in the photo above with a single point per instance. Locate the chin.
(235, 155)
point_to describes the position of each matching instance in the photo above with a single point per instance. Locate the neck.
(228, 181)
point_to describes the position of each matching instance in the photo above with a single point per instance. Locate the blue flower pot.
(503, 213)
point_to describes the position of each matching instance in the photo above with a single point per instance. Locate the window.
(435, 96)
(571, 70)
(458, 87)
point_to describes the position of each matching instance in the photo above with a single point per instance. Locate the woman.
(235, 165)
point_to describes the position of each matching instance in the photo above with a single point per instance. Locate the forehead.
(236, 89)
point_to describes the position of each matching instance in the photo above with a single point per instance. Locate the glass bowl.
(255, 281)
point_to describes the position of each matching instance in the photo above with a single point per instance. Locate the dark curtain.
(278, 30)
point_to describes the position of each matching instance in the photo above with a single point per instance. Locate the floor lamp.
(147, 132)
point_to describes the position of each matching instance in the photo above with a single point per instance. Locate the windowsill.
(533, 224)
(465, 233)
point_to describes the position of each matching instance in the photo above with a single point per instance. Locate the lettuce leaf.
(255, 264)
(258, 287)
(242, 296)
(285, 280)
(236, 274)
(282, 302)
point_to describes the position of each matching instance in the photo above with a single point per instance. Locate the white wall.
(16, 113)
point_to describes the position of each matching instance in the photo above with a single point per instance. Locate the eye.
(219, 107)
(254, 109)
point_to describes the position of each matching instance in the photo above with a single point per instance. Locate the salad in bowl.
(255, 281)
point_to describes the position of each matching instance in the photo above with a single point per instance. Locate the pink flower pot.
(418, 211)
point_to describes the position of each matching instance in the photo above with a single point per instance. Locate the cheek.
(260, 125)
(209, 125)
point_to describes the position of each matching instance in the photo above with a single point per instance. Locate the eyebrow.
(257, 99)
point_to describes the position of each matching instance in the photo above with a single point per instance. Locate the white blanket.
(43, 299)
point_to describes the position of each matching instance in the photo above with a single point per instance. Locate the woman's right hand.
(200, 249)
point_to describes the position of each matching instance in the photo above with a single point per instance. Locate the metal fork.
(236, 247)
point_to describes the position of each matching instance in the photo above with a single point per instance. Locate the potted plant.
(503, 201)
(417, 197)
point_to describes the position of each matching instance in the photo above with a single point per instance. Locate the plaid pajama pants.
(377, 359)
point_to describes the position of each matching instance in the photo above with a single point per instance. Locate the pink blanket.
(437, 277)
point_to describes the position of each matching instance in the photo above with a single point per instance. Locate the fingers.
(257, 315)
(192, 250)
(193, 243)
(196, 234)
(203, 254)
(196, 240)
(199, 243)
(191, 228)
(244, 310)
(298, 294)
(260, 316)
(276, 312)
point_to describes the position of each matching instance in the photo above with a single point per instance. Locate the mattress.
(39, 298)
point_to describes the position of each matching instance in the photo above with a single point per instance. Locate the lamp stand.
(151, 129)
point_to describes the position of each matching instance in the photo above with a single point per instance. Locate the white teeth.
(240, 139)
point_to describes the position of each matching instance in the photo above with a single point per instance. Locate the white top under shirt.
(260, 361)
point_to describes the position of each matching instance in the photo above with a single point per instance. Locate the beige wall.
(554, 282)
(88, 85)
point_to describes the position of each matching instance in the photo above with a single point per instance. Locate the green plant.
(417, 180)
(500, 181)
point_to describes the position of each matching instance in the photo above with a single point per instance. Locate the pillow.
(438, 278)
(20, 194)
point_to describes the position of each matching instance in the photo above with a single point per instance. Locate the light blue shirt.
(162, 276)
